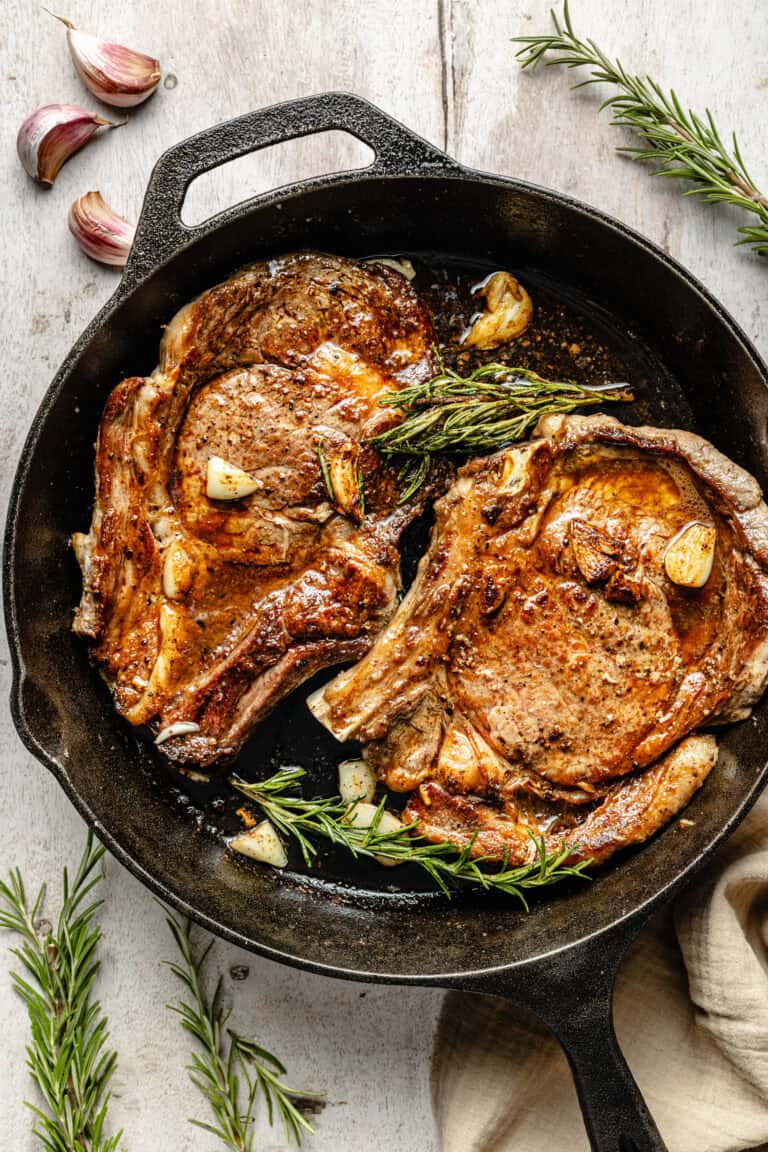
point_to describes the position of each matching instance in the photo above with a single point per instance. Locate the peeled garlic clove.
(52, 134)
(100, 232)
(261, 843)
(357, 781)
(178, 571)
(225, 481)
(508, 312)
(690, 555)
(178, 728)
(362, 815)
(402, 265)
(594, 552)
(343, 479)
(117, 75)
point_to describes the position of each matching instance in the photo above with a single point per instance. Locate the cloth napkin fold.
(691, 1014)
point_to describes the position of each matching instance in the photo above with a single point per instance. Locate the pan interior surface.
(694, 370)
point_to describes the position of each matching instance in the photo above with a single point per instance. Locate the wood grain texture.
(446, 68)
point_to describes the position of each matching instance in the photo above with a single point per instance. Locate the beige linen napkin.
(691, 1016)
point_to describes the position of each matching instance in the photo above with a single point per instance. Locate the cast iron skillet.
(560, 959)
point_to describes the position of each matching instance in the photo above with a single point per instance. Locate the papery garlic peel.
(100, 231)
(53, 133)
(115, 74)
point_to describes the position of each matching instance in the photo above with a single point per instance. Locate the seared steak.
(559, 645)
(205, 612)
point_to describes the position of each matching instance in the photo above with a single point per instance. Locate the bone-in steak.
(206, 612)
(545, 672)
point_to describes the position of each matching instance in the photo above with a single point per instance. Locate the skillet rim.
(131, 284)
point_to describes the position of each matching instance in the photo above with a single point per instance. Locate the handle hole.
(270, 168)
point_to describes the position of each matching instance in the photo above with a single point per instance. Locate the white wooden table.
(446, 68)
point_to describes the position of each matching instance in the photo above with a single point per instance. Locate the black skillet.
(561, 958)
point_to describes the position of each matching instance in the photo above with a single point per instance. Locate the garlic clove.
(363, 814)
(690, 555)
(117, 75)
(53, 133)
(261, 843)
(402, 265)
(595, 553)
(225, 481)
(340, 468)
(178, 571)
(178, 728)
(357, 781)
(100, 232)
(508, 312)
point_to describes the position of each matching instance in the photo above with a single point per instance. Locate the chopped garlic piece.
(363, 815)
(261, 843)
(357, 781)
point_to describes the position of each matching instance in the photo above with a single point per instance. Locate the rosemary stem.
(687, 146)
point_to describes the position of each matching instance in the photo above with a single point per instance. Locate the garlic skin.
(115, 74)
(225, 481)
(100, 232)
(53, 133)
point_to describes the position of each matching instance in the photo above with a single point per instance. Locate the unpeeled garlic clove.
(508, 312)
(115, 74)
(53, 133)
(100, 232)
(225, 481)
(690, 555)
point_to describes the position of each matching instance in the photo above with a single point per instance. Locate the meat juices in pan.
(204, 613)
(545, 673)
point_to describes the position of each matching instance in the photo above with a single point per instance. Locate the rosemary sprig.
(448, 865)
(67, 1056)
(686, 145)
(325, 472)
(494, 405)
(230, 1072)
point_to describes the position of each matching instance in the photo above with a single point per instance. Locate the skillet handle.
(160, 231)
(572, 994)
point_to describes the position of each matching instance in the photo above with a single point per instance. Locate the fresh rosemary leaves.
(686, 145)
(447, 865)
(229, 1070)
(67, 1055)
(494, 405)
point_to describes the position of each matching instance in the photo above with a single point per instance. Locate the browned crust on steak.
(543, 666)
(629, 814)
(209, 612)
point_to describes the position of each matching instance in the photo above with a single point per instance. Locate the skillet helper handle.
(572, 993)
(160, 231)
